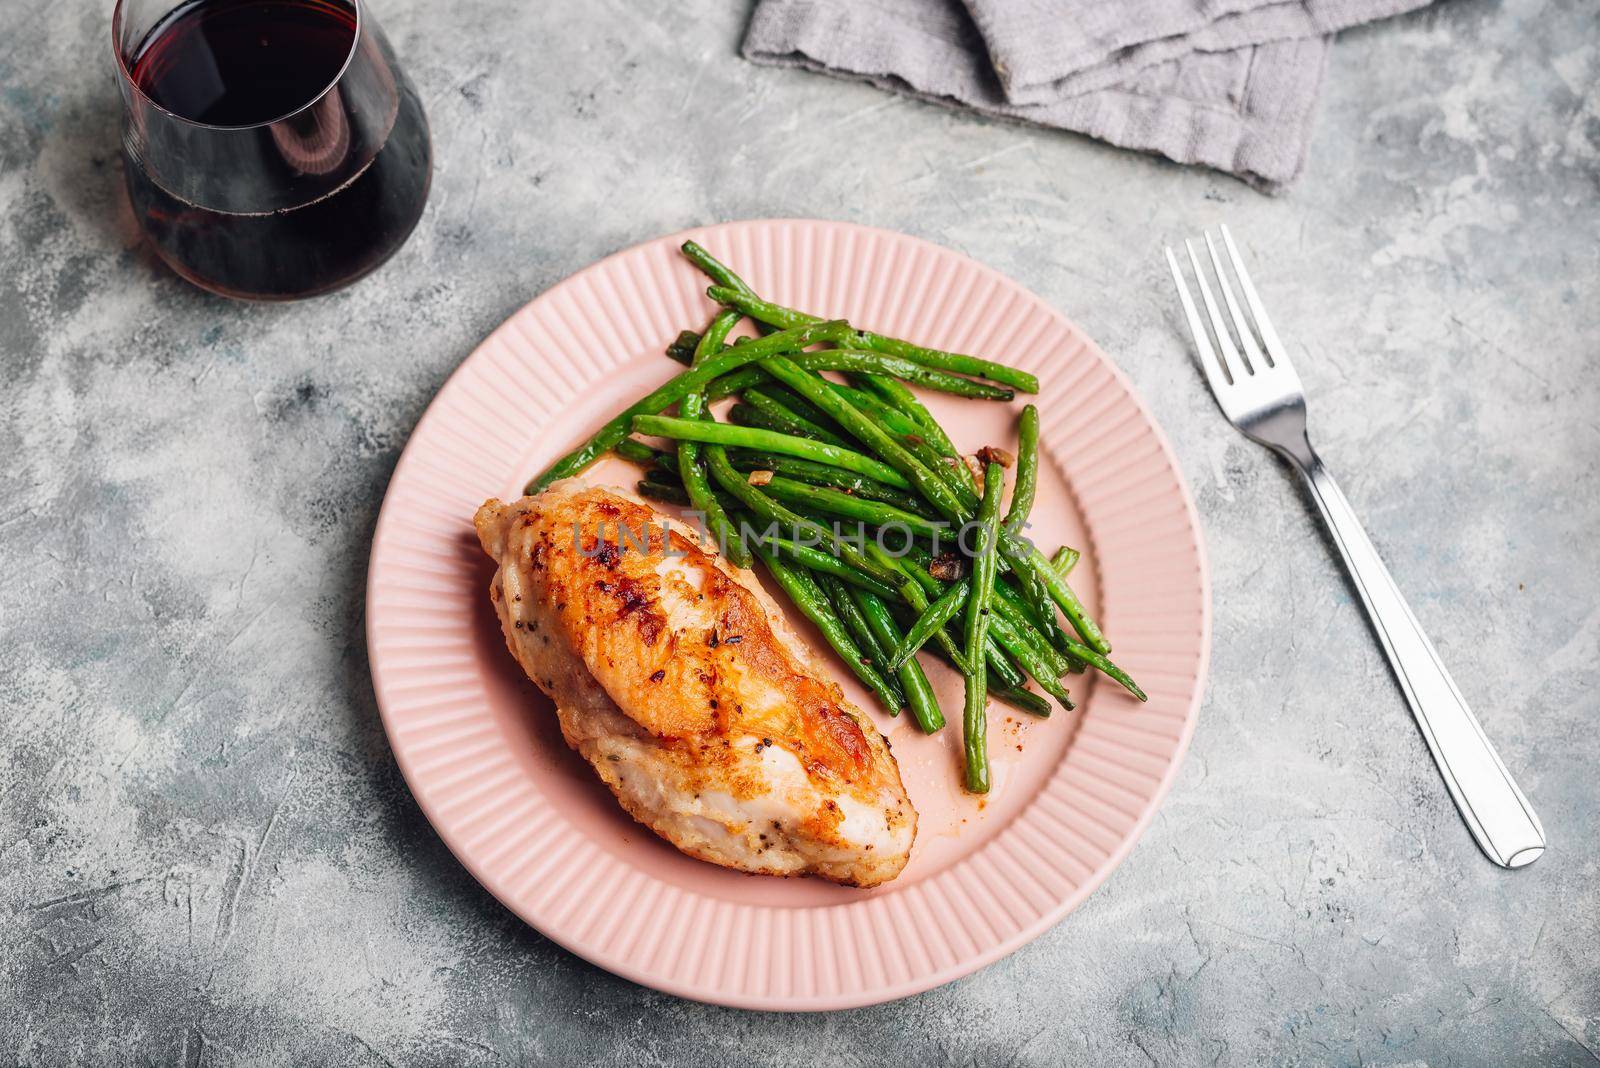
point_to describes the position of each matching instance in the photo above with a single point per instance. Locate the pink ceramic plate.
(480, 746)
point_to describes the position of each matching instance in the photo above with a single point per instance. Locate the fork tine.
(1241, 325)
(1276, 353)
(1216, 374)
(1230, 355)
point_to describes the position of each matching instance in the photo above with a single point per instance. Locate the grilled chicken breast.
(684, 689)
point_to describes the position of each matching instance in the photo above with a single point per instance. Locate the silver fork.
(1261, 395)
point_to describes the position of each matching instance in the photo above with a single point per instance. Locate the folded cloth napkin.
(1230, 84)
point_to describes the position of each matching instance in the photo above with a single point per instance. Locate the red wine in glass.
(273, 149)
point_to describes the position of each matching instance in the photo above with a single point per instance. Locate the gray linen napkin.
(1229, 84)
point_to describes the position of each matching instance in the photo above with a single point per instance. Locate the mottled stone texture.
(207, 855)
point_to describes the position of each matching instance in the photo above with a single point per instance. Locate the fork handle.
(1495, 811)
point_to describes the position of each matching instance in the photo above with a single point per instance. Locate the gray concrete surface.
(207, 855)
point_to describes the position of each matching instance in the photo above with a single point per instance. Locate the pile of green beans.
(856, 501)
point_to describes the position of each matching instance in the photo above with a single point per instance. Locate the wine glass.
(272, 149)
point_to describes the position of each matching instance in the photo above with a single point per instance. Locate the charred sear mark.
(632, 595)
(608, 554)
(657, 676)
(634, 599)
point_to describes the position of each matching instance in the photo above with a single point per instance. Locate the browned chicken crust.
(674, 679)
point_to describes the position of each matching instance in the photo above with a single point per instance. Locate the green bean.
(835, 502)
(868, 432)
(691, 469)
(787, 419)
(1034, 590)
(1041, 609)
(1017, 561)
(1027, 700)
(1041, 660)
(947, 468)
(796, 404)
(852, 419)
(974, 722)
(826, 475)
(1020, 634)
(893, 419)
(813, 604)
(1007, 602)
(857, 362)
(845, 607)
(1033, 655)
(998, 688)
(961, 480)
(916, 562)
(714, 268)
(1061, 563)
(737, 382)
(805, 430)
(770, 511)
(999, 664)
(1014, 377)
(896, 393)
(1027, 480)
(920, 698)
(937, 615)
(1060, 661)
(1029, 562)
(1002, 670)
(715, 338)
(1008, 606)
(1001, 667)
(742, 414)
(1023, 638)
(636, 451)
(813, 559)
(690, 381)
(861, 361)
(661, 491)
(1101, 663)
(1015, 606)
(664, 476)
(912, 587)
(953, 474)
(683, 347)
(788, 318)
(770, 441)
(907, 430)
